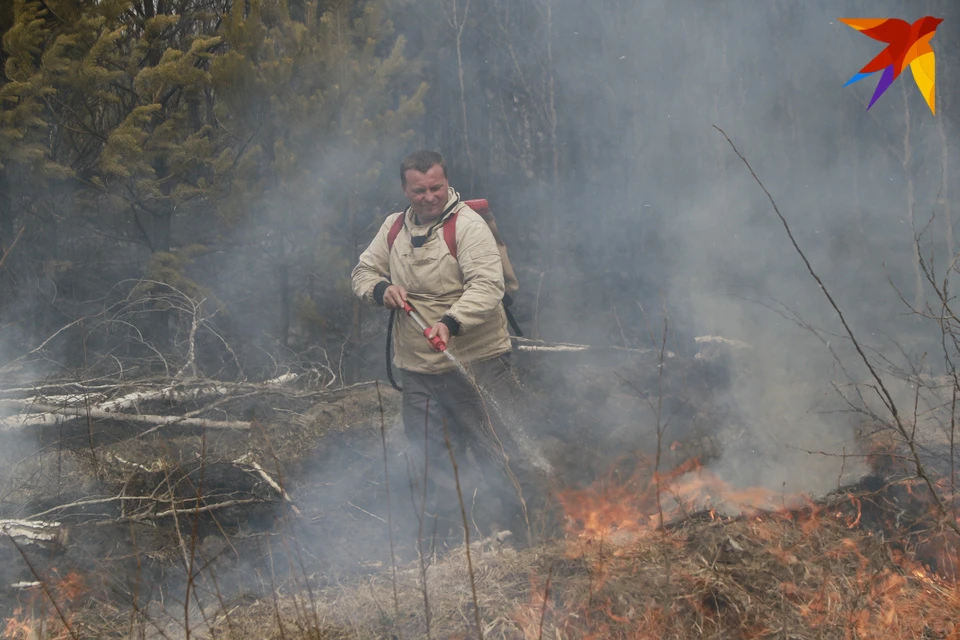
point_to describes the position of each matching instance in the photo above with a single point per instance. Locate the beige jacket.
(468, 288)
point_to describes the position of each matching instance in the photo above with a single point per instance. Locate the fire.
(622, 512)
(44, 615)
(873, 563)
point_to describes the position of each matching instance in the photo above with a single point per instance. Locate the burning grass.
(866, 563)
(870, 562)
(808, 573)
(43, 612)
(641, 554)
(787, 576)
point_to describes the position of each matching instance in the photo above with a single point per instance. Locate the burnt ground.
(111, 484)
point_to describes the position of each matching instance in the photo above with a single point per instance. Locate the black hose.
(511, 319)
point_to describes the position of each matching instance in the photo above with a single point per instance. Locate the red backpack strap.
(395, 230)
(450, 234)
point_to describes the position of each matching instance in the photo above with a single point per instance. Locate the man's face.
(427, 192)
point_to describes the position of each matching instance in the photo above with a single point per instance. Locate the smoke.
(592, 135)
(655, 206)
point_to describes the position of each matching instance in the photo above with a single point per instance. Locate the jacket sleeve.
(482, 269)
(371, 276)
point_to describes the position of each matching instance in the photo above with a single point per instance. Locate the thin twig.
(466, 532)
(6, 253)
(543, 609)
(372, 515)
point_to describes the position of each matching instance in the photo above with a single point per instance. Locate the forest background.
(187, 183)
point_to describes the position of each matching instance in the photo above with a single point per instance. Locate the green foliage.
(243, 123)
(22, 98)
(308, 90)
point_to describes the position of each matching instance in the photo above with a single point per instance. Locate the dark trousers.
(448, 412)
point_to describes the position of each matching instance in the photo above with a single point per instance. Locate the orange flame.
(38, 619)
(623, 512)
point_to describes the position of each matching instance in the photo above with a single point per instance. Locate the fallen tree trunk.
(542, 346)
(51, 415)
(178, 394)
(49, 535)
(73, 400)
(181, 392)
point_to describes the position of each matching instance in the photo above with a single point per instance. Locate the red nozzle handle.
(480, 205)
(437, 343)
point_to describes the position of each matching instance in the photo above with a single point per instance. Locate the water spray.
(527, 447)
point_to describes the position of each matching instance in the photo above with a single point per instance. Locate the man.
(460, 297)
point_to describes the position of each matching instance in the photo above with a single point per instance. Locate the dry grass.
(816, 572)
(804, 574)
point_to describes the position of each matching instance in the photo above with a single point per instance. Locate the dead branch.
(266, 478)
(196, 319)
(6, 252)
(148, 509)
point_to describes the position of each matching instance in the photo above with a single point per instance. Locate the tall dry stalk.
(661, 425)
(466, 532)
(386, 480)
(543, 609)
(274, 593)
(906, 160)
(421, 512)
(943, 196)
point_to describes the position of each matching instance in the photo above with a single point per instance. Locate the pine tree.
(98, 120)
(315, 105)
(163, 123)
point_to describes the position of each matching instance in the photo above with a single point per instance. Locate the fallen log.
(181, 392)
(51, 415)
(75, 387)
(542, 346)
(48, 535)
(72, 400)
(175, 393)
(25, 585)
